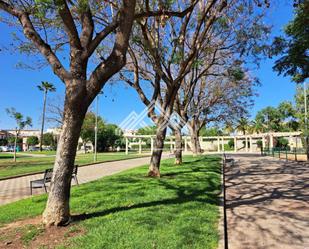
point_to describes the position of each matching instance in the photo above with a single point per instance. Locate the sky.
(18, 87)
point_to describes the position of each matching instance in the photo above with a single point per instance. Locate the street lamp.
(306, 120)
(96, 128)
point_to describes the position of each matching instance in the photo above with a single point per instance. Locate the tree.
(210, 132)
(147, 130)
(243, 125)
(21, 123)
(32, 141)
(205, 95)
(294, 46)
(299, 100)
(11, 140)
(49, 140)
(45, 87)
(76, 31)
(54, 111)
(161, 54)
(87, 133)
(275, 119)
(3, 142)
(108, 137)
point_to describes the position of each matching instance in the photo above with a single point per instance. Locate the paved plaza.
(267, 203)
(18, 188)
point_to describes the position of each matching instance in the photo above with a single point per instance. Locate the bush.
(282, 142)
(259, 143)
(231, 143)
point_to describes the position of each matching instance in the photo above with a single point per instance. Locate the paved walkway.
(18, 188)
(267, 203)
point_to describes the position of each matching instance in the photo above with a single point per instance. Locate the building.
(23, 134)
(3, 134)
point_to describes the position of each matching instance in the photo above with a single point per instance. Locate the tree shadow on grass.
(210, 199)
(192, 185)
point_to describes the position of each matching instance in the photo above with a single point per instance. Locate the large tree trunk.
(178, 146)
(57, 211)
(154, 168)
(195, 143)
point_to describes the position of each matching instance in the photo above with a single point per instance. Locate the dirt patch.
(32, 234)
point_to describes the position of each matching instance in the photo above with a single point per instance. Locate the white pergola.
(248, 139)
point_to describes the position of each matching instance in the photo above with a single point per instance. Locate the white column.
(151, 145)
(271, 142)
(171, 144)
(222, 143)
(263, 142)
(246, 141)
(235, 144)
(127, 146)
(140, 146)
(186, 144)
(250, 139)
(218, 142)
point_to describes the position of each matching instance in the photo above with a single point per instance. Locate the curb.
(221, 212)
(83, 165)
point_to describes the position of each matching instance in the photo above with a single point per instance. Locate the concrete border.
(221, 212)
(83, 165)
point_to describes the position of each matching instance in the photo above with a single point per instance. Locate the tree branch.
(69, 25)
(117, 58)
(39, 43)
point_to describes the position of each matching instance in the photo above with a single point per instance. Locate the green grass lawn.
(10, 156)
(44, 152)
(26, 164)
(129, 210)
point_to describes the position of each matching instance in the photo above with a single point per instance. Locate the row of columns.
(151, 145)
(220, 143)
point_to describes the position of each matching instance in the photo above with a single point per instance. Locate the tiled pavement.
(267, 203)
(18, 188)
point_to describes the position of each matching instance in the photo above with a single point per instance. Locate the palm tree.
(229, 129)
(21, 123)
(257, 127)
(44, 87)
(243, 125)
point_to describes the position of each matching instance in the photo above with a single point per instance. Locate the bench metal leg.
(75, 179)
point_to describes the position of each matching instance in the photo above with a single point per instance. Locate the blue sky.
(18, 87)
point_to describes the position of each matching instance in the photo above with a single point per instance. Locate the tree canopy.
(294, 46)
(33, 140)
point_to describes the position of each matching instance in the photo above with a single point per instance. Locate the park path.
(267, 203)
(18, 188)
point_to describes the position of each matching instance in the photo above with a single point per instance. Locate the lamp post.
(96, 130)
(96, 127)
(306, 120)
